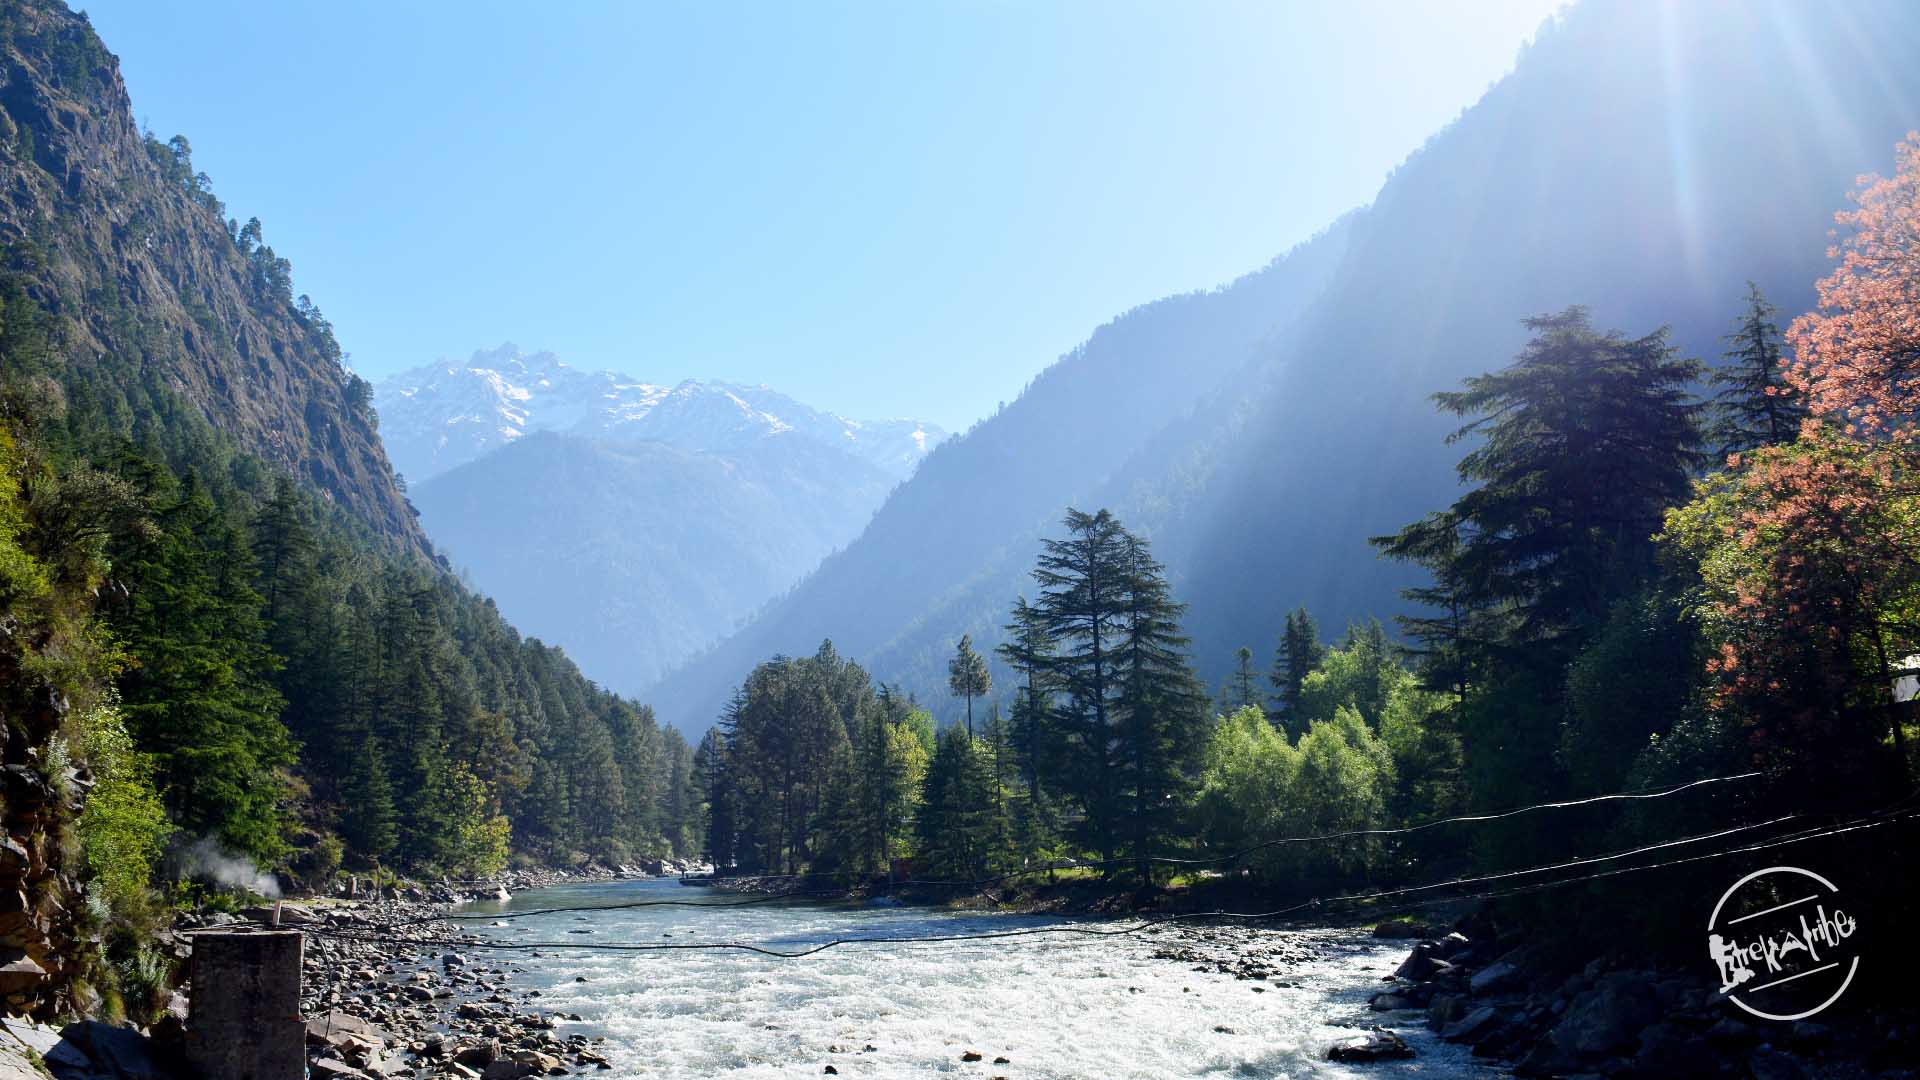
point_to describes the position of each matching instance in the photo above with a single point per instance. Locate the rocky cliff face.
(106, 221)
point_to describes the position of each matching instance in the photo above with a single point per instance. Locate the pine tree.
(1004, 790)
(370, 821)
(1299, 652)
(1451, 645)
(284, 549)
(1027, 650)
(1162, 708)
(1239, 691)
(1755, 406)
(1586, 439)
(967, 676)
(200, 699)
(1084, 586)
(717, 781)
(954, 829)
(1131, 713)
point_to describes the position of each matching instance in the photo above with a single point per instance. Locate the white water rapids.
(1055, 1006)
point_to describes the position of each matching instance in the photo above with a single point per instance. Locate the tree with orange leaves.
(1809, 561)
(1809, 553)
(1858, 357)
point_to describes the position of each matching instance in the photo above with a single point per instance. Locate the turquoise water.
(1055, 1007)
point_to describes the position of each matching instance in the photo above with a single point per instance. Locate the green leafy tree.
(1344, 782)
(124, 826)
(1359, 675)
(1246, 778)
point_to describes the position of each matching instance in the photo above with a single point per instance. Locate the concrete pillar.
(243, 1021)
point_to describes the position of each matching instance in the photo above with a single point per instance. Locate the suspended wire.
(980, 883)
(1868, 822)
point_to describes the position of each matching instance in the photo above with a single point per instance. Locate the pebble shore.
(393, 989)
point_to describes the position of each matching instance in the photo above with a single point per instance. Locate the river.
(1053, 1006)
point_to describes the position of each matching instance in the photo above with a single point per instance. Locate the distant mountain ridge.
(440, 416)
(631, 523)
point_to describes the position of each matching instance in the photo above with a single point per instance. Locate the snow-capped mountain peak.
(447, 413)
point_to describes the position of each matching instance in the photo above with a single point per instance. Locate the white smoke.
(206, 858)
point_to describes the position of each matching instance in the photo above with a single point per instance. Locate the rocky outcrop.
(1494, 993)
(37, 897)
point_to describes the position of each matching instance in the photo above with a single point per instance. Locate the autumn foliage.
(1857, 359)
(1809, 553)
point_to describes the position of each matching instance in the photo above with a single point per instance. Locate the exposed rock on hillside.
(106, 221)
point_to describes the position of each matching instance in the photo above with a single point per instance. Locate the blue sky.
(882, 209)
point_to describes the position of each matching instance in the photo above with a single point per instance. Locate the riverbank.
(1509, 1000)
(391, 987)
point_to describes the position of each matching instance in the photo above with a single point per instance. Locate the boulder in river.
(1376, 1045)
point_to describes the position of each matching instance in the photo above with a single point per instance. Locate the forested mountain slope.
(980, 501)
(1644, 159)
(126, 244)
(226, 609)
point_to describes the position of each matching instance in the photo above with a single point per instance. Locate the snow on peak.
(445, 414)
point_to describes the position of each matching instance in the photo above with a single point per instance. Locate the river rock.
(478, 1055)
(1420, 963)
(1608, 1017)
(327, 1068)
(1472, 1027)
(1377, 1045)
(1495, 977)
(1445, 1009)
